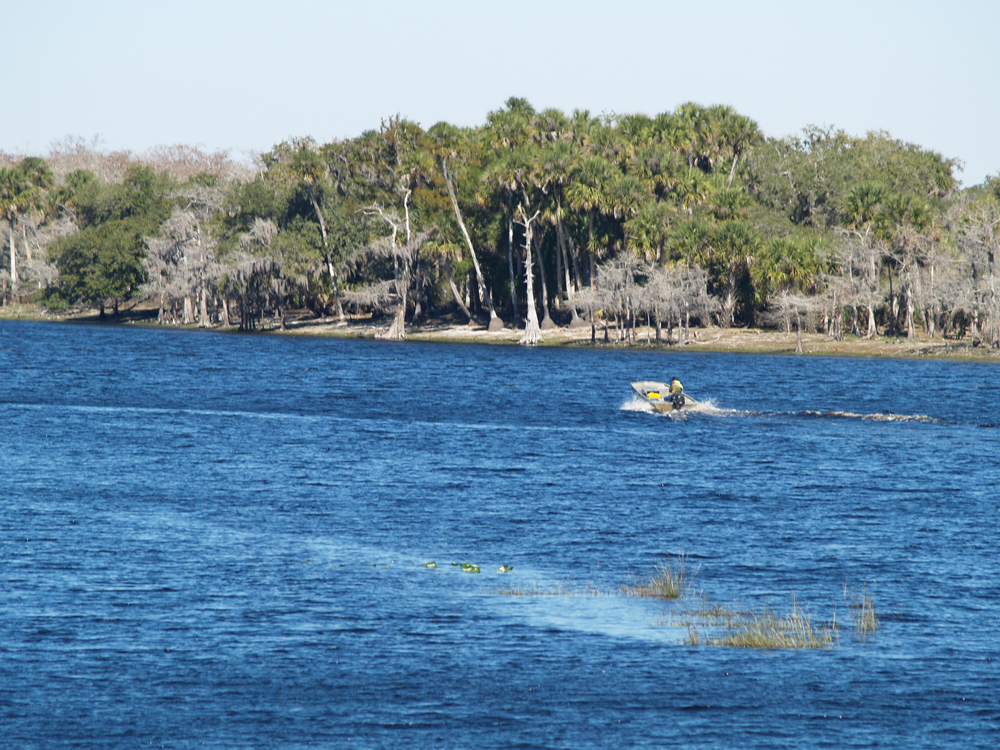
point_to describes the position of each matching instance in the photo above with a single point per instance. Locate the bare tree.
(669, 295)
(978, 237)
(403, 255)
(181, 263)
(793, 305)
(248, 275)
(618, 287)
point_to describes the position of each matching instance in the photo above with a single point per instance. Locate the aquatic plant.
(665, 582)
(742, 628)
(861, 610)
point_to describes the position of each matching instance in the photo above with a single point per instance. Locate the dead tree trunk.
(532, 333)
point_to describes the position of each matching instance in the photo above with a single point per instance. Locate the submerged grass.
(533, 590)
(664, 582)
(764, 628)
(711, 624)
(861, 609)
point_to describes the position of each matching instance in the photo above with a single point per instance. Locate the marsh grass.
(665, 582)
(764, 628)
(711, 624)
(861, 610)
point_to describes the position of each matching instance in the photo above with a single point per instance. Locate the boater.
(676, 393)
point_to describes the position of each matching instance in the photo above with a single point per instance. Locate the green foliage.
(205, 179)
(143, 196)
(697, 187)
(103, 261)
(811, 178)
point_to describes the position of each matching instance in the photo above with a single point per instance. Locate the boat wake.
(884, 417)
(708, 408)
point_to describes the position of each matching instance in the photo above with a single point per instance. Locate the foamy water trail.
(884, 417)
(708, 407)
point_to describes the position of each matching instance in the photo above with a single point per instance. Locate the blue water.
(213, 540)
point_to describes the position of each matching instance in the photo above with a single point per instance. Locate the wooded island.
(533, 220)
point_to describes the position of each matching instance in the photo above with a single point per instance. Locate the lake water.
(213, 540)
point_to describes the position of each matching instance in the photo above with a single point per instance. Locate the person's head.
(673, 380)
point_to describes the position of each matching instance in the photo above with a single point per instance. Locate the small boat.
(658, 396)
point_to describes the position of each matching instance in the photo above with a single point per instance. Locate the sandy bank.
(711, 339)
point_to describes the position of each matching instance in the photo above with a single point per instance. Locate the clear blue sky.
(245, 76)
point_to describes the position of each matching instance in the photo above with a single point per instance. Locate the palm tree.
(582, 127)
(587, 191)
(510, 176)
(783, 265)
(691, 188)
(13, 199)
(626, 194)
(866, 219)
(646, 233)
(549, 125)
(731, 251)
(509, 134)
(638, 130)
(692, 125)
(22, 188)
(496, 323)
(741, 134)
(555, 168)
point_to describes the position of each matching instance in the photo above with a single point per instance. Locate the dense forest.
(531, 220)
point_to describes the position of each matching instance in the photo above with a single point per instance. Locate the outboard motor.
(677, 400)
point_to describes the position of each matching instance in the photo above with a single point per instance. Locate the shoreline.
(447, 330)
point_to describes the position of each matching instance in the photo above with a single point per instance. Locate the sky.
(244, 76)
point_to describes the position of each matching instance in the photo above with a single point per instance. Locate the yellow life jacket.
(676, 387)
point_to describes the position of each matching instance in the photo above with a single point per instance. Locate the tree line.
(532, 219)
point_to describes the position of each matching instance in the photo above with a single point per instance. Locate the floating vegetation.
(665, 582)
(743, 628)
(709, 623)
(861, 609)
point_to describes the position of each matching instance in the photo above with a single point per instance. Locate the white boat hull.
(657, 395)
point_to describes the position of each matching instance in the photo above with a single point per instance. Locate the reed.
(861, 610)
(665, 582)
(742, 628)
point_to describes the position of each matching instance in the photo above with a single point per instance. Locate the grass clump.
(742, 628)
(861, 609)
(665, 582)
